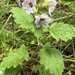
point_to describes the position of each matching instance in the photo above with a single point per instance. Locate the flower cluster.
(43, 20)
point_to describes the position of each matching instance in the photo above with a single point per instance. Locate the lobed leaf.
(14, 58)
(62, 31)
(52, 60)
(22, 18)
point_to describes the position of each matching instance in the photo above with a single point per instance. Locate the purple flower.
(43, 20)
(29, 6)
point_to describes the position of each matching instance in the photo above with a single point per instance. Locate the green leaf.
(41, 70)
(51, 59)
(62, 31)
(19, 33)
(70, 3)
(14, 58)
(38, 32)
(12, 71)
(22, 18)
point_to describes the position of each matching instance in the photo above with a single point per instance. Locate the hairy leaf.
(52, 59)
(62, 31)
(22, 18)
(14, 58)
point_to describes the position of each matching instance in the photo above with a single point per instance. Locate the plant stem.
(63, 17)
(5, 23)
(73, 49)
